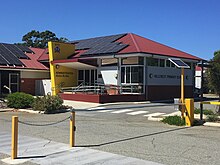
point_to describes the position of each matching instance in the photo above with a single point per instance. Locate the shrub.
(174, 120)
(19, 100)
(196, 111)
(48, 103)
(212, 118)
(205, 111)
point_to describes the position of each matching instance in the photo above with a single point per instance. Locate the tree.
(38, 39)
(214, 74)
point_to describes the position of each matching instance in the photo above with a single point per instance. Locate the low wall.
(101, 98)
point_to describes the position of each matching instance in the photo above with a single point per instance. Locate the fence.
(15, 121)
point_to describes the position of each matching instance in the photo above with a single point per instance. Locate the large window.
(132, 79)
(88, 77)
(132, 74)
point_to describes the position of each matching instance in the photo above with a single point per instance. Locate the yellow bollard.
(189, 112)
(72, 129)
(14, 138)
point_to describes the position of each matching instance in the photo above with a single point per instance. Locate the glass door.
(14, 82)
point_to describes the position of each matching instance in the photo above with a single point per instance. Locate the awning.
(74, 63)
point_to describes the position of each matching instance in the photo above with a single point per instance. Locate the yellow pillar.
(72, 129)
(182, 93)
(189, 112)
(14, 138)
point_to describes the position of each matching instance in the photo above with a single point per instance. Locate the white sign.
(168, 76)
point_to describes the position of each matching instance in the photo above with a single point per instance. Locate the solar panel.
(9, 57)
(24, 48)
(3, 61)
(16, 51)
(179, 63)
(97, 43)
(100, 45)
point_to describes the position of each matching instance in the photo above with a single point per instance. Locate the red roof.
(33, 62)
(138, 44)
(44, 55)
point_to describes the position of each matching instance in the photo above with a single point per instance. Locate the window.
(109, 62)
(132, 79)
(133, 61)
(152, 61)
(132, 74)
(14, 82)
(88, 77)
(169, 64)
(162, 63)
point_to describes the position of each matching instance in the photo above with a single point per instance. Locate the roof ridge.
(135, 42)
(97, 37)
(45, 50)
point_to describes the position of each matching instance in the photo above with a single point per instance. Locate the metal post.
(72, 129)
(189, 112)
(201, 90)
(14, 138)
(182, 92)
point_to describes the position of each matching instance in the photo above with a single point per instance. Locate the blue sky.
(192, 26)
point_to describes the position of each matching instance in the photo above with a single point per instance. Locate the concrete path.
(46, 152)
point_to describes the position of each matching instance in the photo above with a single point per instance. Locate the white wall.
(109, 75)
(43, 87)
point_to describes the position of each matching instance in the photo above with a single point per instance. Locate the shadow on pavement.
(132, 138)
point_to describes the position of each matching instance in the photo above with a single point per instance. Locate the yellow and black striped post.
(14, 138)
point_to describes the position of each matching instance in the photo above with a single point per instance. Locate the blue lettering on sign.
(57, 49)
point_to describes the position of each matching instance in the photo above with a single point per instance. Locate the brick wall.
(28, 85)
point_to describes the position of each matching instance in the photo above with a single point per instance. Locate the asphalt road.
(129, 135)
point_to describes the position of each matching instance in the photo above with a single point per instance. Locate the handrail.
(99, 88)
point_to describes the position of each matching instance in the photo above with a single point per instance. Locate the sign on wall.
(167, 76)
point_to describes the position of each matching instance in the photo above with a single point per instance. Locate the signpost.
(202, 65)
(180, 64)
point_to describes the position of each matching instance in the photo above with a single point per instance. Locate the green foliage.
(19, 100)
(174, 120)
(48, 104)
(38, 39)
(205, 111)
(212, 118)
(214, 73)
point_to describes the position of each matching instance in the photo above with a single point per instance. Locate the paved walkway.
(46, 152)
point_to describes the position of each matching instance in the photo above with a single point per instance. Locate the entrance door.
(14, 82)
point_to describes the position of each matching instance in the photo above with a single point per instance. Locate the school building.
(123, 67)
(20, 68)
